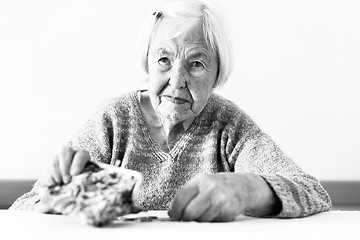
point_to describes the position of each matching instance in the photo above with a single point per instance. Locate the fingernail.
(66, 179)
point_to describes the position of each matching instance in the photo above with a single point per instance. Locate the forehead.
(170, 35)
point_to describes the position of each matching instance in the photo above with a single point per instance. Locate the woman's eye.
(164, 61)
(196, 64)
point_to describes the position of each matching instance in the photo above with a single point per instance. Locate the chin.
(175, 115)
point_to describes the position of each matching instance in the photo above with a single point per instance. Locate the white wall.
(297, 75)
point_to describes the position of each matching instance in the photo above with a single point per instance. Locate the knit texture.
(222, 138)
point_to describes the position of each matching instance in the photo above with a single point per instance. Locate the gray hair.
(187, 13)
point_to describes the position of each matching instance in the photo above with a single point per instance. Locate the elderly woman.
(201, 156)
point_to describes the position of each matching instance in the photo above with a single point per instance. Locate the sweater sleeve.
(95, 136)
(300, 194)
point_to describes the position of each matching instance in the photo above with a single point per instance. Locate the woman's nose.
(178, 76)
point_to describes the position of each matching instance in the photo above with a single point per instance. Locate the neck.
(171, 129)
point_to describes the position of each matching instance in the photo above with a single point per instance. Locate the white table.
(339, 225)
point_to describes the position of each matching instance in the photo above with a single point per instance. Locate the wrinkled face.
(182, 73)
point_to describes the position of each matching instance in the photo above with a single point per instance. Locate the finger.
(55, 171)
(65, 159)
(81, 158)
(181, 200)
(196, 207)
(47, 180)
(226, 215)
(228, 212)
(210, 214)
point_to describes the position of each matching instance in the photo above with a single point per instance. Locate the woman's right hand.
(61, 169)
(64, 166)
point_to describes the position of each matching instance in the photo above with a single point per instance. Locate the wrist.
(262, 199)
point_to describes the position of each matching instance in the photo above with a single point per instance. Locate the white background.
(297, 74)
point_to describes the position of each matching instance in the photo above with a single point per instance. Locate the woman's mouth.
(176, 100)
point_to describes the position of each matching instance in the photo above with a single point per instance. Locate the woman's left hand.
(222, 197)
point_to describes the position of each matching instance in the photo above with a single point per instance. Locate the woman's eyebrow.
(163, 51)
(198, 54)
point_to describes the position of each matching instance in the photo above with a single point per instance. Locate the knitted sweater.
(222, 138)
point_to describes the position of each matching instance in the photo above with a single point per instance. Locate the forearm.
(299, 193)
